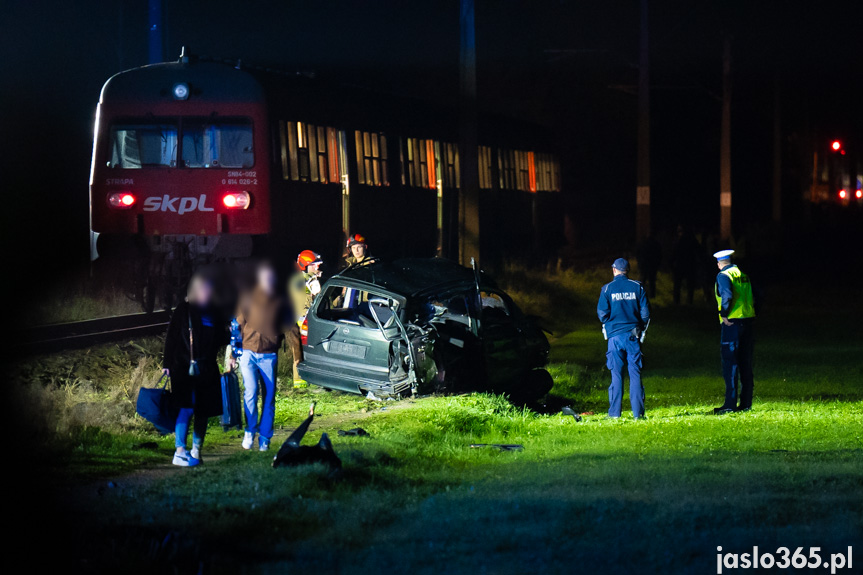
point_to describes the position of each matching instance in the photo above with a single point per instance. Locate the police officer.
(624, 311)
(736, 303)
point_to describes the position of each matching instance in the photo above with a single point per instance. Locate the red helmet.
(356, 239)
(308, 258)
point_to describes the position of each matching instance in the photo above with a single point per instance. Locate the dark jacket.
(263, 320)
(623, 305)
(210, 334)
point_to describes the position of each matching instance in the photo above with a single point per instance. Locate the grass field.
(651, 496)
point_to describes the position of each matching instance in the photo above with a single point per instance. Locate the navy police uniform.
(624, 311)
(736, 302)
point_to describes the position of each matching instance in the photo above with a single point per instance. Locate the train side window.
(371, 158)
(547, 173)
(222, 145)
(451, 168)
(506, 166)
(309, 153)
(421, 166)
(141, 145)
(485, 180)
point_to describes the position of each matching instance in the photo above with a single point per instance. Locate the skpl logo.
(179, 205)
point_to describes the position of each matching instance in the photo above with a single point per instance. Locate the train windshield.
(202, 143)
(217, 145)
(144, 145)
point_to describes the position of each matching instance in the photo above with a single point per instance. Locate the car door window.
(354, 306)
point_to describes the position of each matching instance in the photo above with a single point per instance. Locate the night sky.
(549, 62)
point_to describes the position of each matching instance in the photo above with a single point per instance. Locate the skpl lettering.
(180, 206)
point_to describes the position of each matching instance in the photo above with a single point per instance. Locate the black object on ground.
(500, 446)
(292, 453)
(357, 432)
(151, 445)
(568, 411)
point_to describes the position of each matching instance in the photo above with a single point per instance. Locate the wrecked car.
(395, 329)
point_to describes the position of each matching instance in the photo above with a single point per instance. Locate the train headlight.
(181, 91)
(121, 200)
(236, 200)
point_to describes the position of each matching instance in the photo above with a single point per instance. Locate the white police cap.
(723, 254)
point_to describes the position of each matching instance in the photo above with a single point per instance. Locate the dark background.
(57, 55)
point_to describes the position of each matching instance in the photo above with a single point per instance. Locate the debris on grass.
(355, 432)
(292, 454)
(569, 411)
(500, 446)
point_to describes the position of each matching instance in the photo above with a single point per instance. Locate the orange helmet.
(356, 239)
(308, 258)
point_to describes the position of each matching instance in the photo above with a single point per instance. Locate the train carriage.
(201, 161)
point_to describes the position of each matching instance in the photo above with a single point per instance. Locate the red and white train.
(201, 161)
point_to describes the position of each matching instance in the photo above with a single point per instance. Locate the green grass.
(652, 496)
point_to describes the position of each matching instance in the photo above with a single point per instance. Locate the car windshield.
(205, 144)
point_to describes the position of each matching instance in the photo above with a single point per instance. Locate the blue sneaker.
(263, 444)
(183, 459)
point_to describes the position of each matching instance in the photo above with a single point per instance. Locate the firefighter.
(736, 302)
(302, 289)
(358, 250)
(624, 311)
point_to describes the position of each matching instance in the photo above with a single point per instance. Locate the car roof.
(414, 276)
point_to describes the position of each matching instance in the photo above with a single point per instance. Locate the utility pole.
(154, 31)
(469, 244)
(725, 145)
(777, 150)
(642, 196)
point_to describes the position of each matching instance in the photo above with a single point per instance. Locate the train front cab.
(180, 172)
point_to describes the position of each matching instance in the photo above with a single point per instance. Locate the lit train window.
(507, 167)
(421, 171)
(143, 145)
(226, 144)
(309, 153)
(371, 158)
(547, 173)
(451, 168)
(485, 180)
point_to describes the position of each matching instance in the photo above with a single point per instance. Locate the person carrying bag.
(195, 336)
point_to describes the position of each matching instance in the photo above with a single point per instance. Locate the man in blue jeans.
(262, 318)
(624, 311)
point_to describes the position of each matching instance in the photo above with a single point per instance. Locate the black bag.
(232, 411)
(154, 405)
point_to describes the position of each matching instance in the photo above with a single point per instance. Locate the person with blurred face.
(194, 338)
(262, 319)
(358, 250)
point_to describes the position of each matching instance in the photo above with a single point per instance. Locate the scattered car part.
(500, 446)
(292, 454)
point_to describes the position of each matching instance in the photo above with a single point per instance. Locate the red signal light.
(836, 145)
(236, 200)
(121, 200)
(843, 194)
(304, 332)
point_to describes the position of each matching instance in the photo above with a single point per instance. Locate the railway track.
(60, 336)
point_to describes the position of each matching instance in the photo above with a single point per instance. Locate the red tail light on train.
(236, 200)
(121, 200)
(842, 194)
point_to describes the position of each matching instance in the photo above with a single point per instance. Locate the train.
(201, 160)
